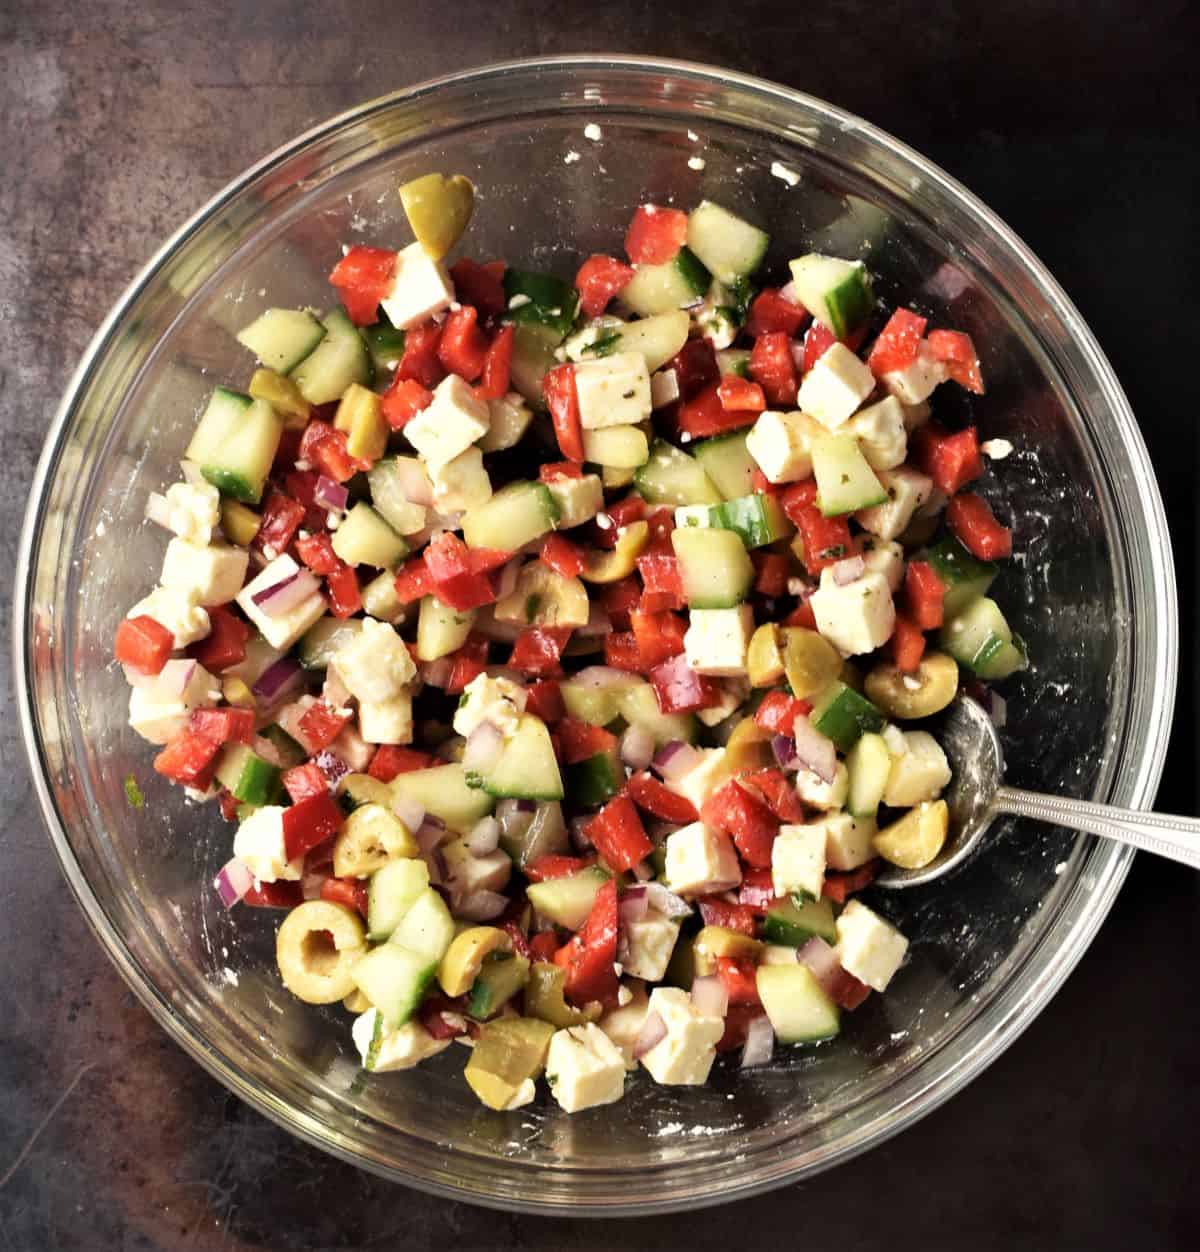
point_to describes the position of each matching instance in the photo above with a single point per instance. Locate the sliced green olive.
(370, 837)
(544, 998)
(810, 661)
(909, 696)
(316, 948)
(509, 1052)
(465, 956)
(917, 837)
(282, 395)
(544, 597)
(611, 566)
(764, 658)
(360, 415)
(748, 748)
(438, 210)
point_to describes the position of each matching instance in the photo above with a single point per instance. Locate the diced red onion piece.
(653, 1032)
(408, 811)
(483, 748)
(784, 748)
(709, 996)
(675, 760)
(643, 872)
(484, 838)
(513, 818)
(284, 596)
(664, 388)
(158, 510)
(666, 902)
(814, 750)
(598, 622)
(756, 897)
(637, 746)
(263, 747)
(330, 495)
(413, 481)
(633, 906)
(760, 1043)
(482, 906)
(280, 680)
(436, 673)
(233, 881)
(175, 677)
(429, 834)
(577, 829)
(331, 765)
(822, 960)
(848, 570)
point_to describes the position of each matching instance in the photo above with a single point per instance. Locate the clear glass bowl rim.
(1013, 1010)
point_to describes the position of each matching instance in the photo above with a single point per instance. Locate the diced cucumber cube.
(658, 338)
(541, 298)
(527, 767)
(235, 443)
(964, 576)
(835, 292)
(341, 358)
(441, 629)
(795, 924)
(394, 980)
(672, 477)
(364, 538)
(726, 243)
(251, 779)
(567, 901)
(392, 891)
(728, 463)
(513, 517)
(324, 638)
(660, 288)
(282, 338)
(980, 638)
(799, 1011)
(869, 763)
(845, 482)
(842, 715)
(426, 928)
(716, 570)
(442, 790)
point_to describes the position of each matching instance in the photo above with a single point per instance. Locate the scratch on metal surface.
(33, 1138)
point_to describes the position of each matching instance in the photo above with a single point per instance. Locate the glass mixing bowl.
(1092, 592)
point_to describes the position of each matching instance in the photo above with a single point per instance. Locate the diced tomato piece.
(739, 976)
(771, 312)
(826, 539)
(621, 651)
(463, 347)
(226, 725)
(316, 551)
(924, 593)
(772, 365)
(957, 353)
(363, 277)
(554, 470)
(971, 518)
(403, 400)
(281, 518)
(951, 461)
(413, 580)
(659, 800)
(563, 555)
(320, 725)
(718, 912)
(898, 343)
(802, 615)
(497, 365)
(704, 415)
(839, 886)
(392, 760)
(348, 891)
(538, 650)
(619, 599)
(737, 1025)
(562, 399)
(581, 740)
(420, 359)
(695, 366)
(144, 644)
(480, 285)
(189, 759)
(345, 598)
(544, 699)
(745, 819)
(770, 573)
(599, 279)
(455, 580)
(591, 954)
(778, 712)
(309, 823)
(274, 895)
(551, 866)
(302, 781)
(777, 792)
(225, 644)
(618, 835)
(679, 689)
(655, 235)
(659, 636)
(817, 341)
(907, 644)
(740, 395)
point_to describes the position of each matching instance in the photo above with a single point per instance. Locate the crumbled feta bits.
(375, 665)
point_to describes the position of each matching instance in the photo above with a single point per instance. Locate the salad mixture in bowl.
(560, 651)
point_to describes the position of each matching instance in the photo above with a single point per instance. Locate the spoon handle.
(1177, 838)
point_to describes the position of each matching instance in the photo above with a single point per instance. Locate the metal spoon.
(976, 796)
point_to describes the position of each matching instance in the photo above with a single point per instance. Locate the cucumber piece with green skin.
(282, 338)
(836, 292)
(799, 1011)
(869, 763)
(426, 929)
(596, 702)
(591, 782)
(322, 640)
(567, 901)
(526, 768)
(541, 298)
(757, 519)
(442, 790)
(660, 288)
(514, 516)
(845, 482)
(290, 752)
(657, 338)
(391, 892)
(364, 538)
(980, 638)
(714, 566)
(735, 361)
(793, 925)
(385, 345)
(441, 629)
(964, 576)
(247, 776)
(844, 716)
(638, 705)
(500, 978)
(235, 443)
(341, 358)
(533, 357)
(670, 476)
(727, 244)
(394, 980)
(728, 463)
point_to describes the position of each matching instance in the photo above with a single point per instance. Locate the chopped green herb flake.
(133, 793)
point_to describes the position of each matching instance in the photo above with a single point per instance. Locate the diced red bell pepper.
(826, 539)
(718, 912)
(659, 636)
(951, 461)
(554, 470)
(228, 804)
(599, 279)
(802, 615)
(662, 581)
(463, 347)
(581, 740)
(320, 725)
(679, 689)
(484, 560)
(771, 312)
(591, 954)
(456, 582)
(538, 650)
(325, 449)
(777, 792)
(562, 399)
(391, 760)
(519, 939)
(562, 555)
(739, 976)
(467, 664)
(225, 725)
(544, 699)
(281, 518)
(309, 823)
(348, 891)
(770, 573)
(419, 361)
(363, 277)
(695, 366)
(838, 886)
(704, 414)
(144, 644)
(543, 946)
(898, 343)
(619, 599)
(850, 992)
(740, 395)
(772, 366)
(737, 1026)
(762, 485)
(971, 518)
(659, 800)
(925, 594)
(757, 891)
(660, 523)
(956, 351)
(435, 1016)
(189, 759)
(817, 341)
(655, 235)
(745, 819)
(345, 598)
(551, 865)
(623, 512)
(907, 644)
(413, 580)
(302, 485)
(316, 551)
(778, 712)
(621, 651)
(303, 781)
(480, 285)
(618, 835)
(403, 400)
(274, 895)
(497, 365)
(225, 644)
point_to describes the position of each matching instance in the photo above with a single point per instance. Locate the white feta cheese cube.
(259, 845)
(157, 720)
(886, 559)
(283, 630)
(386, 721)
(856, 618)
(818, 794)
(613, 391)
(781, 444)
(881, 434)
(584, 1068)
(717, 639)
(451, 423)
(400, 1048)
(869, 948)
(907, 491)
(704, 778)
(686, 1052)
(191, 510)
(623, 1025)
(919, 773)
(485, 699)
(578, 499)
(177, 610)
(650, 941)
(375, 665)
(462, 483)
(422, 287)
(701, 860)
(798, 860)
(917, 381)
(849, 841)
(213, 573)
(476, 873)
(834, 388)
(523, 1095)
